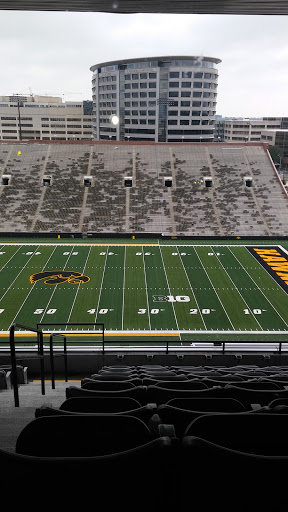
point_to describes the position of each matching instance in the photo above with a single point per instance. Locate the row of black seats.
(117, 460)
(152, 447)
(6, 375)
(179, 412)
(250, 397)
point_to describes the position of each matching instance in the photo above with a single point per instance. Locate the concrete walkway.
(13, 419)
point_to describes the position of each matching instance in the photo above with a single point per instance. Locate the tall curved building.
(161, 99)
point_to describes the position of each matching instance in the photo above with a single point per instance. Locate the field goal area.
(145, 292)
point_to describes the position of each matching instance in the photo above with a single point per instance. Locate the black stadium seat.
(139, 477)
(106, 385)
(205, 404)
(100, 404)
(115, 376)
(254, 396)
(139, 393)
(146, 413)
(82, 435)
(258, 434)
(158, 395)
(186, 384)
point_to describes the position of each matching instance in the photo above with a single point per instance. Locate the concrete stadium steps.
(14, 419)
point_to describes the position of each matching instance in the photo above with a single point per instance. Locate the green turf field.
(144, 291)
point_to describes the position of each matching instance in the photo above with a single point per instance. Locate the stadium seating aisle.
(157, 445)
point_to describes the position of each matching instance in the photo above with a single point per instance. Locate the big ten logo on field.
(170, 298)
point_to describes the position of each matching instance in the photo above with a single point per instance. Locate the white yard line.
(9, 259)
(199, 309)
(169, 292)
(1, 298)
(214, 287)
(260, 288)
(100, 291)
(123, 296)
(236, 288)
(55, 288)
(32, 287)
(78, 288)
(148, 308)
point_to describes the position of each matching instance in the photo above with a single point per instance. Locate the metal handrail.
(40, 324)
(13, 358)
(52, 358)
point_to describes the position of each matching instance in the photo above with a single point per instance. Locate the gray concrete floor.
(13, 419)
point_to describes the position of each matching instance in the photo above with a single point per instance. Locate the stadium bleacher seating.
(227, 208)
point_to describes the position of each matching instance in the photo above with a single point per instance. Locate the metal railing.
(40, 352)
(40, 356)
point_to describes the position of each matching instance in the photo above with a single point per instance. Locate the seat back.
(262, 434)
(99, 404)
(81, 436)
(158, 395)
(139, 393)
(213, 404)
(186, 384)
(106, 385)
(252, 396)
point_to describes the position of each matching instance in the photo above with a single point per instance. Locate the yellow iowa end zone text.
(276, 261)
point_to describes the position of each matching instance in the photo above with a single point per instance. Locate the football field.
(153, 290)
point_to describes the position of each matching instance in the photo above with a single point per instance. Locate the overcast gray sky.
(52, 52)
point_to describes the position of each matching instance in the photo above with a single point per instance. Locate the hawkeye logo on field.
(275, 260)
(59, 276)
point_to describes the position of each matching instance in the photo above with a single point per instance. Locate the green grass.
(187, 291)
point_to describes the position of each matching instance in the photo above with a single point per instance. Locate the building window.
(198, 74)
(185, 94)
(152, 75)
(187, 104)
(197, 85)
(186, 84)
(186, 74)
(173, 84)
(152, 85)
(174, 74)
(143, 75)
(173, 94)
